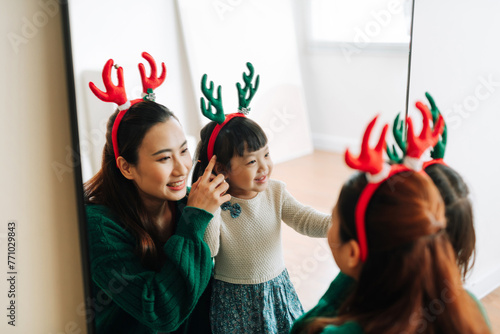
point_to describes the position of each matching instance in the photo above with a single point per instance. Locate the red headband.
(219, 116)
(215, 133)
(439, 161)
(371, 161)
(117, 94)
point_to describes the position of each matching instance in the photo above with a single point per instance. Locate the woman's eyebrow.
(169, 149)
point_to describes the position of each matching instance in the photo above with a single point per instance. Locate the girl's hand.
(208, 191)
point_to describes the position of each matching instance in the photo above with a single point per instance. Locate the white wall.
(457, 59)
(279, 105)
(345, 89)
(122, 30)
(34, 137)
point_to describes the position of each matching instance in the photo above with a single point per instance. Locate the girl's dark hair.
(237, 135)
(460, 222)
(409, 282)
(110, 188)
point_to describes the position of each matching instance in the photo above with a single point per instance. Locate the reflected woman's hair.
(411, 260)
(459, 217)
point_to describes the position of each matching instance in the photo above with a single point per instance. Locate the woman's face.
(164, 163)
(334, 236)
(345, 253)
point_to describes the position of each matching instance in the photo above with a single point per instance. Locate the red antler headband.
(219, 116)
(117, 94)
(428, 137)
(440, 139)
(371, 162)
(377, 171)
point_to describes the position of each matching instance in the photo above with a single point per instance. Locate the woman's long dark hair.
(410, 282)
(110, 188)
(459, 217)
(237, 135)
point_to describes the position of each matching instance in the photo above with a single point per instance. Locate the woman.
(149, 264)
(398, 268)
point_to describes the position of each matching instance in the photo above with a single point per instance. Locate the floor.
(315, 180)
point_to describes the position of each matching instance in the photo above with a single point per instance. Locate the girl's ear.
(126, 169)
(219, 168)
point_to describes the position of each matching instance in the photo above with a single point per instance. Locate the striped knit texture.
(131, 299)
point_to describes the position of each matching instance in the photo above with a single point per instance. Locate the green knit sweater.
(127, 298)
(331, 301)
(328, 306)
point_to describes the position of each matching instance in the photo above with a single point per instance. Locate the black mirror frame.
(82, 220)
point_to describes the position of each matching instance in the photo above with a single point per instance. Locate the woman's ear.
(353, 261)
(126, 169)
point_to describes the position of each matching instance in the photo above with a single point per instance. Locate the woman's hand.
(208, 192)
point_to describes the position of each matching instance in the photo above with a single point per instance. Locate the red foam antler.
(427, 138)
(369, 160)
(113, 93)
(153, 81)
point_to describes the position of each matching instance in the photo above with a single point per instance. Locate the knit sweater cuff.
(193, 222)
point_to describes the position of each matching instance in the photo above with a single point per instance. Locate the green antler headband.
(245, 95)
(242, 93)
(438, 149)
(397, 131)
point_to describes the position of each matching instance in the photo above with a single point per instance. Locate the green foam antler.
(397, 131)
(218, 116)
(249, 90)
(439, 149)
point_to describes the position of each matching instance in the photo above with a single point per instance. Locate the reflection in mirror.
(326, 67)
(458, 64)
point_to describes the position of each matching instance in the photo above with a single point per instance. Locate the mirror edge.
(77, 170)
(409, 69)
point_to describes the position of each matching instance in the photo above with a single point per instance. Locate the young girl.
(149, 264)
(398, 267)
(252, 292)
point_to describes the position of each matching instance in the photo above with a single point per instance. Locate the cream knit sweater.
(248, 248)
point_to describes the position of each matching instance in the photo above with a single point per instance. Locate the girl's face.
(164, 163)
(250, 173)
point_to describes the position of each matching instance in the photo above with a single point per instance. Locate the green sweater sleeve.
(329, 303)
(481, 309)
(349, 327)
(160, 300)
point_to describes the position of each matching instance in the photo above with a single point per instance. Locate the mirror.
(458, 63)
(318, 91)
